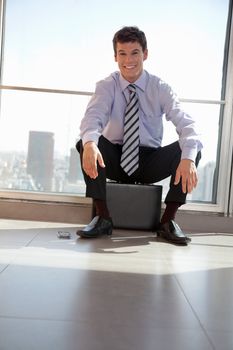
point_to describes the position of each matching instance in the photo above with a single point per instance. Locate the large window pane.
(51, 44)
(38, 132)
(67, 44)
(207, 117)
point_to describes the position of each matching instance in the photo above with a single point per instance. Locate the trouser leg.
(158, 164)
(111, 153)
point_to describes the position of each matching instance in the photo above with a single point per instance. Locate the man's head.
(130, 50)
(129, 34)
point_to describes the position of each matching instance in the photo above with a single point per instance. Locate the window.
(53, 54)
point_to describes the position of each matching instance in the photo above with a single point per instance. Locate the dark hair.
(129, 34)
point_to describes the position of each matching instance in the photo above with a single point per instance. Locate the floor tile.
(204, 272)
(221, 340)
(23, 236)
(24, 224)
(24, 232)
(128, 291)
(77, 295)
(24, 334)
(201, 254)
(210, 294)
(8, 252)
(137, 254)
(2, 267)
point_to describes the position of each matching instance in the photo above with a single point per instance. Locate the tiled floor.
(127, 292)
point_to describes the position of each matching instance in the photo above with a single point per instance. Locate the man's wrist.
(88, 143)
(188, 159)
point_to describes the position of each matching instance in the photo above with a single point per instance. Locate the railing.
(88, 93)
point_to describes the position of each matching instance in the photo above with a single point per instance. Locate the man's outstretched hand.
(92, 155)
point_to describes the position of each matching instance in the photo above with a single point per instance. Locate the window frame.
(224, 182)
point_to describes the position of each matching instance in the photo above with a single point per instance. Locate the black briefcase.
(134, 206)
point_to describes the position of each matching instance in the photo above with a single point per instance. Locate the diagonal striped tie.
(130, 148)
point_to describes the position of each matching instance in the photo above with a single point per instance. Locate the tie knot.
(132, 88)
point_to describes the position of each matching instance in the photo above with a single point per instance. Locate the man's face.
(130, 57)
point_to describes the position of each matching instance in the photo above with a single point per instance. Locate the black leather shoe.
(97, 227)
(171, 232)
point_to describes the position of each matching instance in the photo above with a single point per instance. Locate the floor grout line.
(194, 312)
(4, 269)
(28, 243)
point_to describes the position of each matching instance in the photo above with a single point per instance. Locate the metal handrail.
(89, 93)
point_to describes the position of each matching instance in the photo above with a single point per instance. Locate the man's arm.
(189, 135)
(189, 138)
(97, 112)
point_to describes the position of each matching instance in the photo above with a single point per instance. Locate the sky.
(67, 44)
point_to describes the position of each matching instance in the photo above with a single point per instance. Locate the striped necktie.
(130, 148)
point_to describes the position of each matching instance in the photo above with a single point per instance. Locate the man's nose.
(129, 59)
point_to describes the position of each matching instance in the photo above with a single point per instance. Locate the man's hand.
(92, 155)
(187, 174)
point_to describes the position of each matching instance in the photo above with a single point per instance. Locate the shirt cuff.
(189, 153)
(89, 138)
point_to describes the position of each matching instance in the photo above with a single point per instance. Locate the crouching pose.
(121, 136)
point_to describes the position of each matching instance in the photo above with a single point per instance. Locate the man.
(121, 135)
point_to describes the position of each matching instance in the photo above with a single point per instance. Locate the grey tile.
(130, 291)
(204, 272)
(66, 294)
(49, 234)
(25, 224)
(210, 294)
(2, 267)
(31, 334)
(26, 231)
(8, 252)
(22, 236)
(221, 340)
(119, 240)
(125, 254)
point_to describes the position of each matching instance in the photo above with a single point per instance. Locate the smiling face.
(130, 58)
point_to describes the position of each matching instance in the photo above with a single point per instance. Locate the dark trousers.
(155, 164)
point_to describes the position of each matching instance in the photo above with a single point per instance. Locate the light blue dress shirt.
(105, 113)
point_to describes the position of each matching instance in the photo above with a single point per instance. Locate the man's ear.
(145, 54)
(115, 57)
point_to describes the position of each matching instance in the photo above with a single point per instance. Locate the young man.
(121, 135)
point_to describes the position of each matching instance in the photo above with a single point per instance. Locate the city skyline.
(41, 170)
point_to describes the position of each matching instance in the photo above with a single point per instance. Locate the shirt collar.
(140, 82)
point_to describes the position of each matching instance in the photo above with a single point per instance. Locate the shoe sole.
(186, 242)
(82, 234)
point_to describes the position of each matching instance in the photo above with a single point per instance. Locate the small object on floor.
(64, 234)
